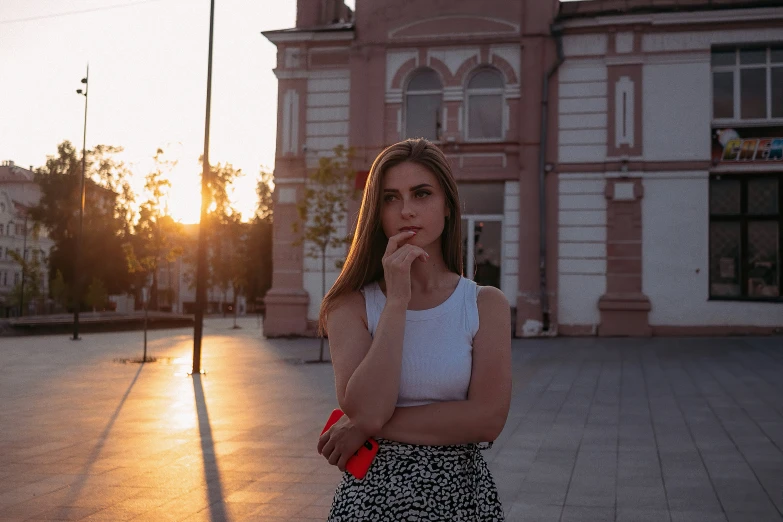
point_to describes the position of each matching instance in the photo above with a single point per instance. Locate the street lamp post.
(201, 259)
(77, 268)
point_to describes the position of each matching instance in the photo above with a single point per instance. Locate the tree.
(104, 229)
(158, 238)
(226, 240)
(115, 176)
(237, 260)
(258, 266)
(264, 190)
(323, 209)
(59, 290)
(31, 284)
(96, 295)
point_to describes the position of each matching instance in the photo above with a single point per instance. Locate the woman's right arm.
(367, 369)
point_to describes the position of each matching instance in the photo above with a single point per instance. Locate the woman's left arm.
(482, 416)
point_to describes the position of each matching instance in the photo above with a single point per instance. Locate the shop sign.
(757, 145)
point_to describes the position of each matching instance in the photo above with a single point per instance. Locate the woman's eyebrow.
(412, 189)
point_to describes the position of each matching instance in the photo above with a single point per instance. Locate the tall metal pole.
(77, 282)
(201, 262)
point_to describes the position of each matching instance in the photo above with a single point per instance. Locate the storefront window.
(745, 229)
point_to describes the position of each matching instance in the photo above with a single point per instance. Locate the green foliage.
(258, 268)
(258, 242)
(113, 174)
(264, 210)
(97, 295)
(158, 239)
(105, 215)
(32, 277)
(59, 290)
(325, 203)
(224, 232)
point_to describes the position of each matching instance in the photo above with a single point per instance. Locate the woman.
(421, 355)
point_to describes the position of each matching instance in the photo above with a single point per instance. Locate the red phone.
(359, 464)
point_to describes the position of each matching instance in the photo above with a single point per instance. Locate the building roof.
(11, 173)
(21, 208)
(591, 8)
(341, 26)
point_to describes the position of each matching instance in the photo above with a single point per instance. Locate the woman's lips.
(414, 229)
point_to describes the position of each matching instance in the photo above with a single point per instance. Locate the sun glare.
(183, 200)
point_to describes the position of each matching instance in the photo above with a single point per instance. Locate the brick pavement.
(600, 429)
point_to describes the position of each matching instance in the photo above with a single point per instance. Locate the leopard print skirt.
(407, 482)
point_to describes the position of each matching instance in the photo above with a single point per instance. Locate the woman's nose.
(407, 209)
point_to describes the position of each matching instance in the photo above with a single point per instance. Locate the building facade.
(581, 136)
(669, 164)
(18, 192)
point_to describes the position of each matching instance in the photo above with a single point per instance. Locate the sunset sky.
(148, 64)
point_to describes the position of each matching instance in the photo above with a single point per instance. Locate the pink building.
(582, 139)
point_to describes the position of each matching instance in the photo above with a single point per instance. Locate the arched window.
(423, 102)
(485, 105)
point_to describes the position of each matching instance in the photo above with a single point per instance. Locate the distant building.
(177, 285)
(18, 192)
(641, 137)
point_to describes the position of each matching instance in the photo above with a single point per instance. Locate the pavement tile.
(755, 516)
(522, 512)
(65, 513)
(642, 515)
(588, 425)
(587, 514)
(698, 516)
(641, 497)
(112, 514)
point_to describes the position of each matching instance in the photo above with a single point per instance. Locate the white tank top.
(437, 350)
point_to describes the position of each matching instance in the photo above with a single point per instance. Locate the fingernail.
(426, 254)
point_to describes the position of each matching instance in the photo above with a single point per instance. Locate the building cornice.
(309, 36)
(677, 18)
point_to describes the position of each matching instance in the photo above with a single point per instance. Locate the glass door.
(482, 248)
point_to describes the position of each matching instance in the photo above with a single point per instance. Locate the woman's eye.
(388, 198)
(422, 194)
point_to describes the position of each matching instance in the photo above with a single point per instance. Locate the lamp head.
(78, 91)
(84, 80)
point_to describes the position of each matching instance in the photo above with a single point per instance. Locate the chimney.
(314, 13)
(308, 13)
(333, 11)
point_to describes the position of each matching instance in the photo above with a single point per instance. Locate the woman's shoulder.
(348, 306)
(350, 300)
(491, 298)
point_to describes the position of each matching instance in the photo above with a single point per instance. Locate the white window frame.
(500, 91)
(407, 93)
(735, 70)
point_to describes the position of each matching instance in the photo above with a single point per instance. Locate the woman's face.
(412, 198)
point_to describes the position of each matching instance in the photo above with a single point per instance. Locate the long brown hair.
(363, 264)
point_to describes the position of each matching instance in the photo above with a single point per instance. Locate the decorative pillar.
(287, 301)
(624, 308)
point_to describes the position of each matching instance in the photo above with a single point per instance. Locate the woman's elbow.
(368, 425)
(365, 422)
(494, 425)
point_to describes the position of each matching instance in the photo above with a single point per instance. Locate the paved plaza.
(637, 430)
